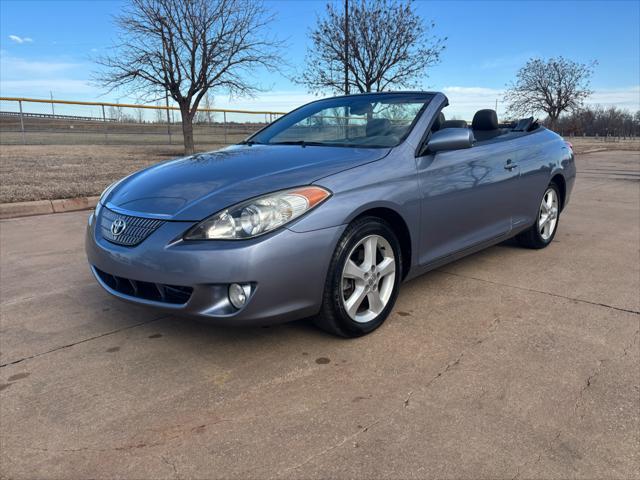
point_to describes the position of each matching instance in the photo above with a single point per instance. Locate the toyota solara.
(326, 211)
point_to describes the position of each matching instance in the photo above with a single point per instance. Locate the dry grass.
(591, 144)
(37, 172)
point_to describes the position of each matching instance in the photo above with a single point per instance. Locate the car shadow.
(190, 327)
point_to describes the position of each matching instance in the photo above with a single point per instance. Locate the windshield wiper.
(302, 143)
(250, 142)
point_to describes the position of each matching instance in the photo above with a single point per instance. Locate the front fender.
(390, 183)
(387, 183)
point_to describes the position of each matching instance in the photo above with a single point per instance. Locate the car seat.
(377, 126)
(455, 124)
(485, 125)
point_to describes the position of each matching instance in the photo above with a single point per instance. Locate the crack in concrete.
(636, 336)
(587, 385)
(450, 365)
(172, 465)
(597, 371)
(141, 444)
(588, 302)
(69, 450)
(331, 448)
(126, 448)
(515, 477)
(62, 347)
(533, 463)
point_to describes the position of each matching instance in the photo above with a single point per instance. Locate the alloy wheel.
(368, 278)
(548, 216)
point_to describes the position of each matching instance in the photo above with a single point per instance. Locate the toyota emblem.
(117, 227)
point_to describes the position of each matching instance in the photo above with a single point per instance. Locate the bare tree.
(159, 114)
(552, 86)
(187, 48)
(205, 115)
(601, 121)
(389, 45)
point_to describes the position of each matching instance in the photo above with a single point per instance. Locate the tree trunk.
(187, 130)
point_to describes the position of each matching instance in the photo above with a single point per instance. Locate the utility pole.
(346, 47)
(53, 112)
(166, 97)
(24, 141)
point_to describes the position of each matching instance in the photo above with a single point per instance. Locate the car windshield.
(369, 120)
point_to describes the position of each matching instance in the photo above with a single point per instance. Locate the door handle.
(510, 165)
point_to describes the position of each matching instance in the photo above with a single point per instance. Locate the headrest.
(485, 120)
(455, 124)
(437, 125)
(377, 126)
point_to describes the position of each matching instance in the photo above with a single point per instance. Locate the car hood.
(195, 187)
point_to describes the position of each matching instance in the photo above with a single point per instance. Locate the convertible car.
(326, 211)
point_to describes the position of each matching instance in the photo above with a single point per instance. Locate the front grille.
(158, 292)
(135, 231)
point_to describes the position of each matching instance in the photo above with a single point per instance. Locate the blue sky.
(49, 46)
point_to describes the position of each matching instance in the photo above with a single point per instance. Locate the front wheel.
(363, 279)
(544, 229)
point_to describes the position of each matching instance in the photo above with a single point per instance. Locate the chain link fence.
(29, 121)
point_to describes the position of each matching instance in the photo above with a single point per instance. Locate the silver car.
(326, 211)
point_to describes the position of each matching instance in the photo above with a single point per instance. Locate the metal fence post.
(224, 117)
(168, 121)
(24, 142)
(106, 129)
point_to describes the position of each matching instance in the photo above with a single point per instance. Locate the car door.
(467, 198)
(535, 165)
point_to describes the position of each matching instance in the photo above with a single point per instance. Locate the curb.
(44, 207)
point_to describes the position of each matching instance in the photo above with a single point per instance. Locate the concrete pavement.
(510, 363)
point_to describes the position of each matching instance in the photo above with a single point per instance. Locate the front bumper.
(286, 270)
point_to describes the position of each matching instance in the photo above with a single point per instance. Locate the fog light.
(237, 295)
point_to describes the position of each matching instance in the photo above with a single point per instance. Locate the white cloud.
(627, 98)
(38, 68)
(17, 39)
(16, 68)
(62, 87)
(36, 78)
(465, 101)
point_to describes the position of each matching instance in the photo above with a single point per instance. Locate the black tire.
(531, 238)
(333, 317)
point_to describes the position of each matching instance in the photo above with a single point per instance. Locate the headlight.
(259, 215)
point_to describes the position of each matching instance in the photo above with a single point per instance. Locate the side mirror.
(450, 139)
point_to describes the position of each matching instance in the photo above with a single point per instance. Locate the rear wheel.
(544, 229)
(363, 280)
